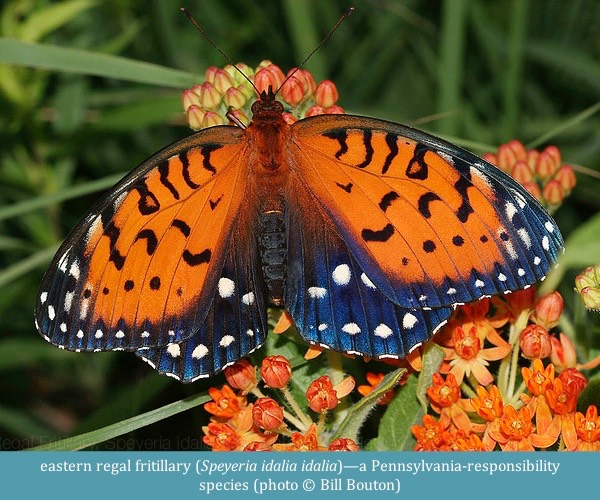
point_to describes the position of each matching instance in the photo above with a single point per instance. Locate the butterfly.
(367, 232)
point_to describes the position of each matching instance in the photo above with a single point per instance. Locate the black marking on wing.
(378, 235)
(342, 137)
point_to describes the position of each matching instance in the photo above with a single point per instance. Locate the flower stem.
(297, 410)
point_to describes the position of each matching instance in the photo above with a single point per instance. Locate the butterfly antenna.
(321, 43)
(216, 47)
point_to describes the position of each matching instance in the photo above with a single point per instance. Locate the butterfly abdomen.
(273, 252)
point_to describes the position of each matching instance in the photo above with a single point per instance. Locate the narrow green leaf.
(90, 63)
(358, 413)
(26, 265)
(44, 21)
(50, 199)
(394, 428)
(21, 424)
(123, 427)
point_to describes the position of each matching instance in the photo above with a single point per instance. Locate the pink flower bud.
(241, 375)
(548, 310)
(553, 192)
(267, 414)
(535, 342)
(321, 395)
(326, 94)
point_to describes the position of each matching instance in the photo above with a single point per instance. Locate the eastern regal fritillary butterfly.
(366, 231)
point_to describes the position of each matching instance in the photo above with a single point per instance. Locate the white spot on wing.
(226, 341)
(502, 277)
(51, 312)
(545, 243)
(120, 334)
(248, 298)
(226, 287)
(250, 332)
(451, 291)
(525, 238)
(145, 334)
(80, 334)
(174, 350)
(537, 261)
(317, 292)
(341, 274)
(63, 327)
(409, 321)
(476, 172)
(119, 200)
(43, 297)
(479, 284)
(511, 210)
(95, 226)
(98, 334)
(549, 226)
(365, 279)
(200, 351)
(351, 328)
(511, 250)
(74, 269)
(383, 331)
(322, 326)
(68, 301)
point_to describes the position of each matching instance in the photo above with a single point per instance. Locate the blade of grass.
(513, 68)
(26, 265)
(90, 63)
(452, 42)
(566, 124)
(50, 199)
(128, 425)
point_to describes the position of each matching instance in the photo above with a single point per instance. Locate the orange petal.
(285, 321)
(312, 352)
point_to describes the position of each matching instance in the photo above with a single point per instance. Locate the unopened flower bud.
(292, 91)
(546, 165)
(535, 342)
(554, 194)
(212, 119)
(563, 354)
(189, 98)
(195, 117)
(267, 414)
(326, 94)
(548, 310)
(566, 178)
(521, 172)
(315, 110)
(276, 371)
(534, 190)
(241, 375)
(210, 97)
(334, 110)
(222, 81)
(321, 395)
(573, 377)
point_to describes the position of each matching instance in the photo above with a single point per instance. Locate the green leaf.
(358, 413)
(590, 395)
(46, 20)
(432, 359)
(118, 429)
(394, 428)
(90, 63)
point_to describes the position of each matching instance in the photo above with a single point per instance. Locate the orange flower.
(548, 310)
(588, 429)
(309, 441)
(430, 435)
(225, 404)
(490, 407)
(515, 432)
(445, 400)
(343, 444)
(468, 357)
(220, 437)
(562, 399)
(538, 380)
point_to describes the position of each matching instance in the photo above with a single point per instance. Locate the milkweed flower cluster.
(226, 95)
(273, 423)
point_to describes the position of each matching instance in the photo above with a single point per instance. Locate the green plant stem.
(305, 421)
(506, 375)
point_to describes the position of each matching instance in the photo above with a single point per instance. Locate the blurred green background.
(78, 109)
